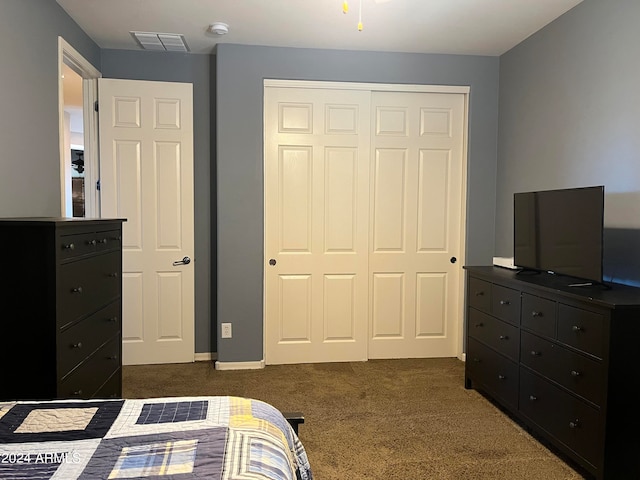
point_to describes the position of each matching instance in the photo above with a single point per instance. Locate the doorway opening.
(73, 142)
(78, 127)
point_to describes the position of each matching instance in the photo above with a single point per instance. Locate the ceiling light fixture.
(345, 9)
(219, 28)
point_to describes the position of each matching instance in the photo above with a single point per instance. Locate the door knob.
(272, 261)
(453, 259)
(184, 261)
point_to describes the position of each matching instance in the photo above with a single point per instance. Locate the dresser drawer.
(479, 294)
(108, 240)
(87, 379)
(539, 315)
(505, 304)
(82, 339)
(112, 388)
(581, 329)
(569, 420)
(497, 374)
(499, 335)
(87, 284)
(571, 370)
(76, 245)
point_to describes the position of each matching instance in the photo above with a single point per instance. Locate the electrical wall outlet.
(226, 330)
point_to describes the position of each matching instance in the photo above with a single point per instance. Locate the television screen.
(560, 231)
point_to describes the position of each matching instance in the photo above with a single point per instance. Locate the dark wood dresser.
(62, 308)
(560, 359)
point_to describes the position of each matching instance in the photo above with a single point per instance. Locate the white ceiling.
(474, 27)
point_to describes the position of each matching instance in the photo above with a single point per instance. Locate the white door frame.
(389, 87)
(72, 58)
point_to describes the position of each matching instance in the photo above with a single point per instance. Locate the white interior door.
(316, 224)
(146, 176)
(416, 213)
(324, 149)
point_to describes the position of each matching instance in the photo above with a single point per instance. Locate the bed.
(176, 437)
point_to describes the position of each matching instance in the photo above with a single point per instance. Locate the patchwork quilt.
(161, 438)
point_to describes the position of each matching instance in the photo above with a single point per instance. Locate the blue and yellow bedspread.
(169, 438)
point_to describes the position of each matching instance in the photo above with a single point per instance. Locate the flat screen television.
(560, 231)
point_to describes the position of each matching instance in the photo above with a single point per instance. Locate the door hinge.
(98, 185)
(95, 106)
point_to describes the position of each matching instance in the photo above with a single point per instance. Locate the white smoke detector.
(219, 28)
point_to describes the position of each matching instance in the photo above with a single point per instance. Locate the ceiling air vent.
(170, 42)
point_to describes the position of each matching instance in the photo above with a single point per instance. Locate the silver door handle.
(184, 261)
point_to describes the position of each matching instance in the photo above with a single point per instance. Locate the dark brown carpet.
(378, 420)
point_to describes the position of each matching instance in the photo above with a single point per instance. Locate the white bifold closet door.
(316, 225)
(363, 208)
(416, 205)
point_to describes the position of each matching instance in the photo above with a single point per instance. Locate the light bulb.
(345, 6)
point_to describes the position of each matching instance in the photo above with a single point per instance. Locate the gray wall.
(239, 84)
(29, 140)
(195, 69)
(569, 110)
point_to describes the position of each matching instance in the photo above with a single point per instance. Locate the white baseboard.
(205, 357)
(240, 365)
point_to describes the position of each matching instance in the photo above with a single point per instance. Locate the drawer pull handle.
(533, 398)
(69, 246)
(535, 354)
(77, 345)
(113, 319)
(76, 290)
(505, 302)
(113, 275)
(536, 314)
(480, 293)
(103, 241)
(504, 337)
(476, 360)
(92, 242)
(116, 238)
(479, 324)
(574, 424)
(501, 377)
(112, 357)
(575, 373)
(576, 328)
(77, 393)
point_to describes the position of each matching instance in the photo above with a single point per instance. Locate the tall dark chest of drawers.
(562, 360)
(62, 308)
